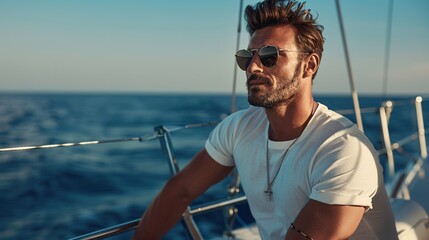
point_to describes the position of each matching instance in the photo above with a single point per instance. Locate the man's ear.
(312, 65)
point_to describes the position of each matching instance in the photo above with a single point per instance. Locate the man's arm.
(323, 221)
(167, 208)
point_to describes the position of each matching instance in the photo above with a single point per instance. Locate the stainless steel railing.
(163, 134)
(389, 147)
(131, 225)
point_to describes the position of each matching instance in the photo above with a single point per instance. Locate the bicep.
(325, 221)
(201, 173)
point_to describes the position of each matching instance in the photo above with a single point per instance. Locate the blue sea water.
(65, 192)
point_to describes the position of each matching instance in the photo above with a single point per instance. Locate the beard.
(283, 94)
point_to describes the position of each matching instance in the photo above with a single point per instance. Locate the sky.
(188, 46)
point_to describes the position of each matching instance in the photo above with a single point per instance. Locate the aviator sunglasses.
(267, 54)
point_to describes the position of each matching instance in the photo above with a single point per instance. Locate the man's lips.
(257, 80)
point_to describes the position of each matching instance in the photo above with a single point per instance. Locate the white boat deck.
(419, 187)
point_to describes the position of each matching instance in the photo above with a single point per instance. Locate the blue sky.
(189, 46)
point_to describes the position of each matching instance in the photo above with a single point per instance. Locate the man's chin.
(257, 101)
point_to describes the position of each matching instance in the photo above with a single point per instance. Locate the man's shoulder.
(243, 123)
(326, 123)
(248, 114)
(329, 127)
(334, 120)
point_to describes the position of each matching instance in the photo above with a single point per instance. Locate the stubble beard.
(285, 92)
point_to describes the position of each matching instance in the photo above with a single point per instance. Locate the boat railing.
(163, 134)
(401, 181)
(388, 149)
(131, 225)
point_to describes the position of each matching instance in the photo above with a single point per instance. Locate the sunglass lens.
(243, 58)
(268, 55)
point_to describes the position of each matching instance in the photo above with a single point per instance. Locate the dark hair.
(309, 36)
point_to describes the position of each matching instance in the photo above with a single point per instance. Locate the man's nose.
(255, 64)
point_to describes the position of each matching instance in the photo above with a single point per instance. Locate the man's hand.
(167, 208)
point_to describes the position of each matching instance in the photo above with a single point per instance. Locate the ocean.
(66, 192)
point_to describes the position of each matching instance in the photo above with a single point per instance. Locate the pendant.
(269, 194)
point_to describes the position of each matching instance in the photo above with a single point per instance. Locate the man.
(308, 172)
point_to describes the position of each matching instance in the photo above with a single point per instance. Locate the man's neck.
(287, 122)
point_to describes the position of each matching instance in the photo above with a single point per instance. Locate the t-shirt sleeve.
(345, 172)
(219, 145)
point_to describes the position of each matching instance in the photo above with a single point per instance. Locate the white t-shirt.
(331, 162)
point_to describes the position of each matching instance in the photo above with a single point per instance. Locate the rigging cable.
(233, 188)
(349, 70)
(234, 82)
(148, 137)
(387, 48)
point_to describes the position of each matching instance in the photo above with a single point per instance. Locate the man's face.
(277, 85)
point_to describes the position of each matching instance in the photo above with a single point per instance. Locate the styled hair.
(309, 36)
